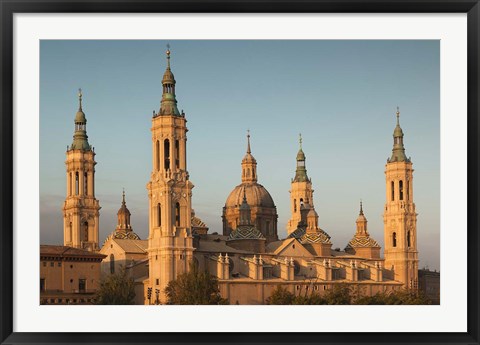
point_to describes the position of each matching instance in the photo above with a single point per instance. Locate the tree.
(116, 289)
(396, 298)
(194, 287)
(280, 296)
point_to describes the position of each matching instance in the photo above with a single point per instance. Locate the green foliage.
(116, 289)
(280, 296)
(396, 298)
(344, 294)
(195, 288)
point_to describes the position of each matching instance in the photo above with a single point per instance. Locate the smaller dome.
(312, 213)
(80, 117)
(123, 210)
(168, 77)
(300, 155)
(361, 218)
(398, 131)
(249, 158)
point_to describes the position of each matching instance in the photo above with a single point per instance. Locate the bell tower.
(301, 191)
(399, 217)
(170, 246)
(80, 209)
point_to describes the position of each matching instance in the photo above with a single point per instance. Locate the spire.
(168, 56)
(361, 222)
(301, 172)
(80, 100)
(168, 105)
(80, 138)
(249, 165)
(123, 197)
(398, 152)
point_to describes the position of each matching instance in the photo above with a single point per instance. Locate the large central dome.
(263, 209)
(256, 195)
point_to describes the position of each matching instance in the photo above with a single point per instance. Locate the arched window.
(394, 239)
(112, 264)
(76, 183)
(301, 202)
(85, 231)
(157, 155)
(70, 185)
(85, 184)
(159, 215)
(408, 191)
(392, 186)
(248, 172)
(408, 239)
(177, 154)
(166, 153)
(400, 188)
(177, 214)
(294, 205)
(253, 173)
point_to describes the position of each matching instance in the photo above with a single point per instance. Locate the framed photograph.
(264, 172)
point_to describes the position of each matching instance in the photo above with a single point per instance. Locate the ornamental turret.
(301, 191)
(81, 208)
(399, 216)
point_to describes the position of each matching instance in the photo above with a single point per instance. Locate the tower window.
(177, 214)
(112, 264)
(408, 191)
(177, 154)
(294, 205)
(159, 215)
(76, 183)
(157, 155)
(70, 185)
(85, 183)
(85, 232)
(408, 239)
(400, 187)
(301, 202)
(394, 239)
(166, 153)
(392, 186)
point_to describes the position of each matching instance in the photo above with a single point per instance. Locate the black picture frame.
(10, 7)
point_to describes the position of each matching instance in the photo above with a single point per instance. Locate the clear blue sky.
(341, 95)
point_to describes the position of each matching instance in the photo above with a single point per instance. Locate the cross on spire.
(248, 141)
(300, 140)
(80, 98)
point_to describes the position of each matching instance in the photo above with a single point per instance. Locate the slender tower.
(170, 247)
(301, 191)
(399, 217)
(81, 209)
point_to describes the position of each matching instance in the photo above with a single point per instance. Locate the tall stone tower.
(170, 247)
(80, 209)
(399, 217)
(301, 191)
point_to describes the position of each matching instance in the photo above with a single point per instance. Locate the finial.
(123, 196)
(168, 56)
(398, 116)
(361, 208)
(300, 140)
(248, 141)
(80, 99)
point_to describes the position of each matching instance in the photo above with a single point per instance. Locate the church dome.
(80, 117)
(256, 194)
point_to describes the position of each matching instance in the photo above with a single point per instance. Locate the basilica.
(248, 258)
